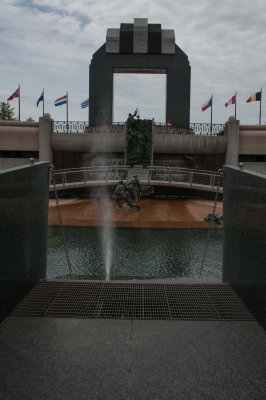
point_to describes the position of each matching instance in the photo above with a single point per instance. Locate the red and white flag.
(231, 101)
(15, 94)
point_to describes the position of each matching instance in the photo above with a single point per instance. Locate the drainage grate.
(133, 301)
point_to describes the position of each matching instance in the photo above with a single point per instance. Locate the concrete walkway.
(78, 359)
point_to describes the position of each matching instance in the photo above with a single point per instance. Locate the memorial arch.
(139, 48)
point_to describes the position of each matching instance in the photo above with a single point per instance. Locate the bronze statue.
(138, 140)
(134, 116)
(127, 195)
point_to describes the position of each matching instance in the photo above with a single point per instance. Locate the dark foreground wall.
(244, 257)
(23, 232)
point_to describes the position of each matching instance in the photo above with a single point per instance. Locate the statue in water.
(128, 194)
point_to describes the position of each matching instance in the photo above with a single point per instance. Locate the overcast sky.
(49, 44)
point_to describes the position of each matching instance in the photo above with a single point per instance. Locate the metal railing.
(197, 128)
(104, 175)
(119, 127)
(70, 127)
(207, 129)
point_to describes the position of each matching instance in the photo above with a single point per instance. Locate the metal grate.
(133, 301)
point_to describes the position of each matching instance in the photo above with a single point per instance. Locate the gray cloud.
(37, 6)
(49, 43)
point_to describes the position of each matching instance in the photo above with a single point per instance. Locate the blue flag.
(85, 103)
(40, 99)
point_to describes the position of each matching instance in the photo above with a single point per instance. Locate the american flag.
(15, 94)
(85, 103)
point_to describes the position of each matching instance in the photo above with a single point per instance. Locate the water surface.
(136, 253)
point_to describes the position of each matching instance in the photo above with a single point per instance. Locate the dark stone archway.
(140, 48)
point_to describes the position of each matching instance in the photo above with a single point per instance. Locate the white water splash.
(106, 235)
(106, 221)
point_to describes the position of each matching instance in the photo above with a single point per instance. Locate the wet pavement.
(154, 213)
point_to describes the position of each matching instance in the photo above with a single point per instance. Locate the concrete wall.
(189, 144)
(115, 142)
(244, 226)
(259, 167)
(88, 142)
(19, 136)
(245, 140)
(252, 139)
(244, 251)
(6, 163)
(239, 140)
(23, 233)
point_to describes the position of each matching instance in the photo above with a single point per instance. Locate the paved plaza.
(76, 359)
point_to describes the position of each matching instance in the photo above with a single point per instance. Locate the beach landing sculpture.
(138, 140)
(128, 194)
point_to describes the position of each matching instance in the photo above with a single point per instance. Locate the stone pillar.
(232, 151)
(45, 131)
(140, 41)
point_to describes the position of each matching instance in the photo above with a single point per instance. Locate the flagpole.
(260, 106)
(43, 103)
(89, 104)
(19, 102)
(67, 112)
(211, 113)
(235, 103)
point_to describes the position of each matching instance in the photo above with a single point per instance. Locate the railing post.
(190, 178)
(64, 180)
(212, 178)
(84, 176)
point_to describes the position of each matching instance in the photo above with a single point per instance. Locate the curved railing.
(151, 176)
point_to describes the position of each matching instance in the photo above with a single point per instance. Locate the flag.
(231, 101)
(40, 99)
(207, 105)
(254, 97)
(85, 103)
(61, 101)
(15, 94)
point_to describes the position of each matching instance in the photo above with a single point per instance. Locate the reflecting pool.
(136, 253)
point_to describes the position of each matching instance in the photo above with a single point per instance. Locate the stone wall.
(23, 234)
(244, 251)
(21, 140)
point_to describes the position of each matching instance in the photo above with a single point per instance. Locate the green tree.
(6, 112)
(30, 119)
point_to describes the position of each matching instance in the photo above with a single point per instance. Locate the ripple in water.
(135, 253)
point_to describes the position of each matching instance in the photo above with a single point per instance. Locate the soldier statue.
(127, 195)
